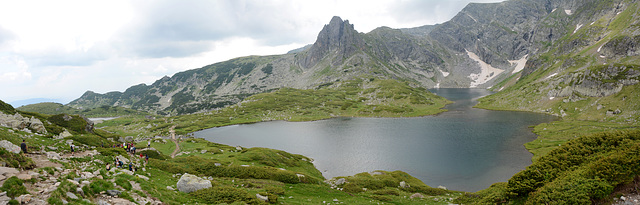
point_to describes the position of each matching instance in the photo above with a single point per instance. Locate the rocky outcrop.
(190, 183)
(17, 121)
(620, 47)
(338, 38)
(9, 146)
(599, 81)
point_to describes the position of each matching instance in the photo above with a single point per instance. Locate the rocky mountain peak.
(338, 36)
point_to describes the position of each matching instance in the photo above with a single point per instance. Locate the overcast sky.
(60, 49)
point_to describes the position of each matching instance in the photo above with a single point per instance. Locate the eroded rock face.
(621, 47)
(190, 183)
(599, 81)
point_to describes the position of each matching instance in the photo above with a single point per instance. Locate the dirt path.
(173, 155)
(41, 160)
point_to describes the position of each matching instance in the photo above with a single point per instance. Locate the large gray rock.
(190, 183)
(8, 171)
(53, 155)
(37, 125)
(10, 146)
(72, 196)
(262, 198)
(113, 192)
(63, 134)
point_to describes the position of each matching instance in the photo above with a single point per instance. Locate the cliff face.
(337, 38)
(483, 45)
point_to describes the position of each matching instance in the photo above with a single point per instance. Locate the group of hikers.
(131, 148)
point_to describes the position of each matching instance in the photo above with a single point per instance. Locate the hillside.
(102, 111)
(590, 74)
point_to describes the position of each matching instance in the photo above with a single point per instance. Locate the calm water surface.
(464, 149)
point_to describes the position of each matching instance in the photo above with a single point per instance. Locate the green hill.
(102, 111)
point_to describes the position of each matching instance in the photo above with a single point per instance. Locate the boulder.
(72, 196)
(128, 138)
(262, 198)
(37, 125)
(404, 185)
(190, 183)
(4, 199)
(63, 134)
(416, 195)
(143, 177)
(24, 177)
(53, 155)
(23, 199)
(340, 181)
(127, 171)
(10, 146)
(80, 191)
(124, 160)
(8, 171)
(113, 192)
(170, 188)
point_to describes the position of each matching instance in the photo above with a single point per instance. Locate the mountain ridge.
(481, 46)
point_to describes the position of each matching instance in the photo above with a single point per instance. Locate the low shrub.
(352, 188)
(73, 123)
(386, 192)
(153, 154)
(97, 186)
(275, 190)
(218, 195)
(381, 198)
(14, 187)
(16, 160)
(61, 192)
(124, 183)
(111, 151)
(582, 170)
(90, 140)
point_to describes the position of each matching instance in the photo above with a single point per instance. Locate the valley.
(576, 60)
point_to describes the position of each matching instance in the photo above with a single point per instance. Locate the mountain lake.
(465, 149)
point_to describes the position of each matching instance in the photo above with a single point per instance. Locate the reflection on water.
(464, 149)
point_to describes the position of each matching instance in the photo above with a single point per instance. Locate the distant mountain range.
(19, 103)
(483, 46)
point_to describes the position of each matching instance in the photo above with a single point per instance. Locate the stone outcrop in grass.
(190, 183)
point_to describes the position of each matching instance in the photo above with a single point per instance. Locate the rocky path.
(175, 151)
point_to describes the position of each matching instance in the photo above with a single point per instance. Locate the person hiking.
(23, 146)
(130, 166)
(149, 144)
(73, 150)
(146, 158)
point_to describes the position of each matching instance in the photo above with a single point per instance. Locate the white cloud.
(59, 49)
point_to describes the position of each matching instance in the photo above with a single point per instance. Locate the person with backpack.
(23, 146)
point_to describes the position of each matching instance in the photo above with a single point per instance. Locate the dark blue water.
(464, 149)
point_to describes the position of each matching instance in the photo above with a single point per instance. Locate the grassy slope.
(359, 98)
(239, 181)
